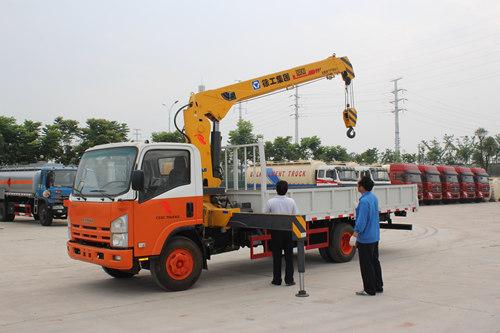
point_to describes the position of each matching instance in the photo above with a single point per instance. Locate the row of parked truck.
(436, 184)
(443, 183)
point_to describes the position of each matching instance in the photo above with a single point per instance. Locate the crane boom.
(213, 105)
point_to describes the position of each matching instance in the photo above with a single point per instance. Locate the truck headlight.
(46, 194)
(119, 240)
(120, 225)
(119, 232)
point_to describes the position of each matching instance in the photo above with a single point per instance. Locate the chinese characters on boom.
(299, 73)
(275, 80)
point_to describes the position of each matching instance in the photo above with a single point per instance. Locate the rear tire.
(339, 249)
(45, 215)
(120, 274)
(4, 217)
(179, 265)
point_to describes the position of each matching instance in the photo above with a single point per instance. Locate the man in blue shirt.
(366, 236)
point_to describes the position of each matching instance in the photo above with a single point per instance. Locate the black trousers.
(282, 241)
(371, 272)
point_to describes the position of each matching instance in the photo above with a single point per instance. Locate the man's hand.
(352, 240)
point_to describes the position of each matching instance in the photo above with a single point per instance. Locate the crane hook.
(350, 132)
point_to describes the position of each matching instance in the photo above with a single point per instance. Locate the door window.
(163, 171)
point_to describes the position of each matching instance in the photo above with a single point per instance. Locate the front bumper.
(101, 256)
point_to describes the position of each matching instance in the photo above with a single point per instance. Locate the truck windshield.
(64, 178)
(466, 179)
(450, 178)
(380, 175)
(433, 178)
(105, 171)
(482, 179)
(413, 178)
(347, 174)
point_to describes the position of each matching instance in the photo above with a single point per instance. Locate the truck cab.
(449, 183)
(403, 173)
(378, 174)
(431, 183)
(466, 181)
(339, 175)
(482, 184)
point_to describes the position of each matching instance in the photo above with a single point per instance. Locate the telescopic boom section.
(213, 105)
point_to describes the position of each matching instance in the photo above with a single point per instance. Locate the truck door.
(169, 199)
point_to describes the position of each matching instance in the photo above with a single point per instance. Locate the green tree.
(101, 131)
(409, 158)
(369, 156)
(434, 151)
(50, 143)
(333, 153)
(243, 134)
(389, 156)
(70, 134)
(282, 149)
(486, 148)
(27, 144)
(310, 147)
(167, 137)
(9, 131)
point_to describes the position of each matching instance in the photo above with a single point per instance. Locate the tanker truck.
(35, 190)
(302, 174)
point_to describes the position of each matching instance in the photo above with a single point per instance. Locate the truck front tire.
(45, 215)
(179, 265)
(339, 249)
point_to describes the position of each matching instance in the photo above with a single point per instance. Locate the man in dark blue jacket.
(366, 236)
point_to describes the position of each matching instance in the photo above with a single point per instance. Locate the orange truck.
(163, 206)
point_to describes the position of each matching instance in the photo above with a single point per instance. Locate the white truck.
(304, 174)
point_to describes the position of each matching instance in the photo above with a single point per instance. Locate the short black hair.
(366, 182)
(282, 187)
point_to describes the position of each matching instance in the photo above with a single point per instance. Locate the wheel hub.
(179, 264)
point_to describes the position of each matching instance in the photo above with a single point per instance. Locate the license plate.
(57, 207)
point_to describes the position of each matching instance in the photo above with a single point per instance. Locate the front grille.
(91, 234)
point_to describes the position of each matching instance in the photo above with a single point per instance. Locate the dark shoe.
(380, 290)
(364, 293)
(290, 283)
(276, 283)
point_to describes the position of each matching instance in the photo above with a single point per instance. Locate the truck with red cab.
(406, 173)
(431, 183)
(467, 186)
(449, 183)
(482, 184)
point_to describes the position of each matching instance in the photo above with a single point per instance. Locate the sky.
(130, 60)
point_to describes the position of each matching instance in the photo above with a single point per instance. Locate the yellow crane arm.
(213, 105)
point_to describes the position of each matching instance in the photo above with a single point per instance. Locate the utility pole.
(240, 112)
(397, 109)
(296, 114)
(137, 134)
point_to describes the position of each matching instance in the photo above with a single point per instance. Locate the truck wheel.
(45, 215)
(179, 265)
(339, 249)
(4, 217)
(120, 274)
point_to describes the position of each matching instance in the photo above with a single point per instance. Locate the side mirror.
(138, 180)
